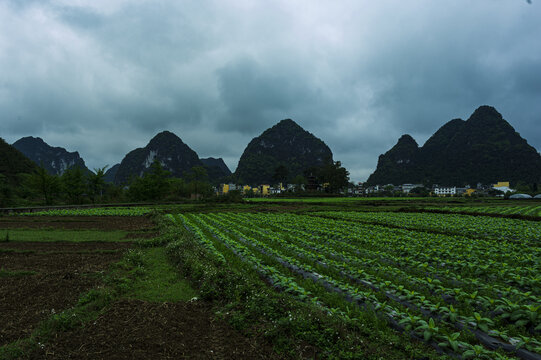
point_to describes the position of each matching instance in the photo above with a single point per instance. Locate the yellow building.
(501, 184)
(469, 192)
(264, 189)
(246, 188)
(223, 189)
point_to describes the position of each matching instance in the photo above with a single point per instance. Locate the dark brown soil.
(58, 261)
(60, 280)
(133, 329)
(130, 329)
(27, 300)
(141, 235)
(127, 223)
(39, 246)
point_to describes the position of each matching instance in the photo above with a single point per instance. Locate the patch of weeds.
(5, 238)
(8, 273)
(15, 350)
(55, 235)
(134, 257)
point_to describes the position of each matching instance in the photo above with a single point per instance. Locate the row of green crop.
(106, 211)
(353, 274)
(517, 230)
(487, 301)
(529, 210)
(372, 252)
(516, 262)
(338, 199)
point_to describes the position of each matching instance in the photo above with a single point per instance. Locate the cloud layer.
(103, 77)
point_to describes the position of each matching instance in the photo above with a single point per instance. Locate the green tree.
(419, 191)
(522, 187)
(198, 177)
(73, 185)
(153, 185)
(178, 188)
(299, 181)
(96, 183)
(6, 192)
(45, 185)
(280, 174)
(335, 175)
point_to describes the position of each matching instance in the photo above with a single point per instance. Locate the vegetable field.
(529, 210)
(468, 286)
(98, 211)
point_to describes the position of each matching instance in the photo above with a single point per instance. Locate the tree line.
(77, 186)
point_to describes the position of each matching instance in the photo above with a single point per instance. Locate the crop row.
(107, 211)
(511, 230)
(530, 210)
(425, 305)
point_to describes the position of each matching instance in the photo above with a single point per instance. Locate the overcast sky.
(102, 77)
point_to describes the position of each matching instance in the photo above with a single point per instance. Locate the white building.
(443, 191)
(406, 188)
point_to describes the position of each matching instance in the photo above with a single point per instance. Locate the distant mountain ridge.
(287, 144)
(218, 163)
(485, 149)
(174, 155)
(56, 160)
(217, 170)
(110, 173)
(13, 163)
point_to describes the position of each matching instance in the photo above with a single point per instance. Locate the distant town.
(500, 189)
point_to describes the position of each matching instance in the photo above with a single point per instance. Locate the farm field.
(336, 199)
(95, 293)
(272, 281)
(528, 210)
(466, 285)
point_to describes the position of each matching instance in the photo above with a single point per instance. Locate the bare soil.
(127, 223)
(60, 280)
(60, 246)
(139, 330)
(129, 329)
(58, 261)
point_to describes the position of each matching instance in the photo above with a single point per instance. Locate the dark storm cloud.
(255, 97)
(103, 77)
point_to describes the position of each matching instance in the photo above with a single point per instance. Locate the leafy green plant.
(428, 329)
(451, 342)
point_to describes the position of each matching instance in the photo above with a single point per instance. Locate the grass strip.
(15, 273)
(55, 235)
